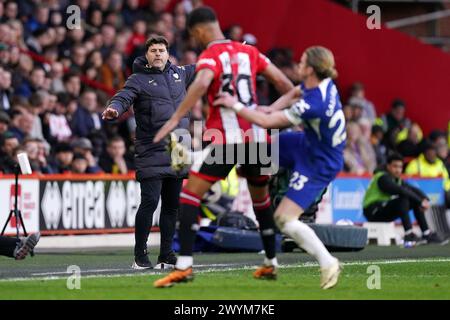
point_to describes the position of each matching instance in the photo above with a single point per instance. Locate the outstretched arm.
(197, 89)
(276, 119)
(286, 100)
(122, 100)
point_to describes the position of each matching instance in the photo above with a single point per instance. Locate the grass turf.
(412, 280)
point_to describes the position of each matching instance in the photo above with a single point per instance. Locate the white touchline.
(243, 267)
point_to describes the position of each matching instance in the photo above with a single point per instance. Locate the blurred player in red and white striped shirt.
(232, 67)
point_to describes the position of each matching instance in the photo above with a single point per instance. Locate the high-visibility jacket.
(421, 167)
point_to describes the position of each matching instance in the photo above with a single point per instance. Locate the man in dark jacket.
(389, 198)
(155, 88)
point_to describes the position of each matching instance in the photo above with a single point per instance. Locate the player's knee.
(281, 220)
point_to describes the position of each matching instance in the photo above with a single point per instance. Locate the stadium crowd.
(56, 79)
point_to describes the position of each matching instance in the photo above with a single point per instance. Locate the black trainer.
(434, 238)
(26, 245)
(142, 262)
(166, 262)
(412, 237)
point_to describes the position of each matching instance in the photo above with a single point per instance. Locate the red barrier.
(389, 63)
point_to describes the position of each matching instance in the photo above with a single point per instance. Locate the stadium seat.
(383, 232)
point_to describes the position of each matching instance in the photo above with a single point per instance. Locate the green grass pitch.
(419, 273)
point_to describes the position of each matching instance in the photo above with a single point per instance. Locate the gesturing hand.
(110, 114)
(225, 100)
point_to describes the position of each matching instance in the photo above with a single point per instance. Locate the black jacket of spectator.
(155, 95)
(388, 184)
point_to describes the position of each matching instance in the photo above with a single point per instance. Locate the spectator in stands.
(357, 97)
(11, 10)
(348, 112)
(5, 89)
(4, 122)
(56, 77)
(79, 164)
(115, 159)
(79, 57)
(21, 123)
(428, 165)
(112, 75)
(389, 198)
(8, 142)
(411, 146)
(359, 157)
(72, 84)
(63, 158)
(86, 117)
(395, 124)
(234, 33)
(138, 37)
(442, 149)
(55, 125)
(35, 82)
(39, 19)
(379, 148)
(108, 33)
(38, 159)
(36, 108)
(131, 12)
(83, 147)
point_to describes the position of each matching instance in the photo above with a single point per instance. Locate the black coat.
(155, 95)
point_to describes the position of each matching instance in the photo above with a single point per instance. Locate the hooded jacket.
(155, 95)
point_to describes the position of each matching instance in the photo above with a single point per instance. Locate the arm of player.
(276, 119)
(286, 100)
(196, 90)
(276, 77)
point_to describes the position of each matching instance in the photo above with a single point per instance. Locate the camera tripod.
(16, 212)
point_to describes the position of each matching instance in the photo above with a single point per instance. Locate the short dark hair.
(115, 139)
(398, 103)
(201, 15)
(394, 157)
(156, 40)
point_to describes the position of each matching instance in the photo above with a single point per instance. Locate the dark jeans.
(151, 189)
(393, 209)
(7, 246)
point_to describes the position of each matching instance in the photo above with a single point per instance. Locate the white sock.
(408, 231)
(307, 239)
(426, 232)
(184, 262)
(271, 262)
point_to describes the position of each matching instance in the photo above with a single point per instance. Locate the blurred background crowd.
(55, 81)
